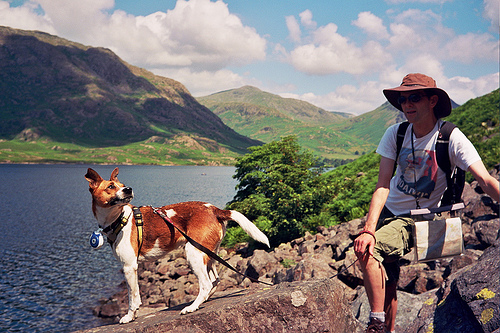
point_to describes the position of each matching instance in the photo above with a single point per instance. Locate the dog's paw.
(130, 316)
(189, 309)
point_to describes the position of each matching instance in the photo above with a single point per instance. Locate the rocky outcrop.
(431, 295)
(309, 306)
(469, 301)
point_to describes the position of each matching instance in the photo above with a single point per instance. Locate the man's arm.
(487, 182)
(377, 204)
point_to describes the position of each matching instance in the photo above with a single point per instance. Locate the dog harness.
(114, 228)
(139, 223)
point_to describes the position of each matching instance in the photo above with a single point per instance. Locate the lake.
(50, 277)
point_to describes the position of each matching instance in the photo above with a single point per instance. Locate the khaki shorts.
(394, 240)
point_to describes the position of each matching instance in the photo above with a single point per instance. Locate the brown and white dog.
(202, 222)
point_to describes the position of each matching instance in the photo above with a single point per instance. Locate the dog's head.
(108, 193)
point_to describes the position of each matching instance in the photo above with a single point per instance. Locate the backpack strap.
(455, 179)
(399, 141)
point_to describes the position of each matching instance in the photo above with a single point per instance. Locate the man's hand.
(364, 243)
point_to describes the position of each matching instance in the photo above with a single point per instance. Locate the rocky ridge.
(449, 295)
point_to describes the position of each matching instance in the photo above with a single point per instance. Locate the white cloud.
(372, 25)
(200, 34)
(461, 89)
(425, 63)
(91, 16)
(306, 19)
(492, 13)
(25, 17)
(367, 96)
(330, 53)
(293, 26)
(422, 32)
(347, 98)
(201, 83)
(472, 47)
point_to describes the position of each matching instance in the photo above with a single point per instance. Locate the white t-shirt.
(430, 180)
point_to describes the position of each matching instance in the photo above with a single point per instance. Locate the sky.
(335, 54)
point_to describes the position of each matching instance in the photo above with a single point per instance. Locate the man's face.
(417, 107)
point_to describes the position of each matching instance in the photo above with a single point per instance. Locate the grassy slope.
(181, 150)
(267, 117)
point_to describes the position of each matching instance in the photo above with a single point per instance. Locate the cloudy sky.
(338, 55)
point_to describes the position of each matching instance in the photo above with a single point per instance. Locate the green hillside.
(267, 117)
(336, 137)
(479, 119)
(331, 135)
(61, 101)
(371, 126)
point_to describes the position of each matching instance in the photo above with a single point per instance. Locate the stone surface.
(312, 306)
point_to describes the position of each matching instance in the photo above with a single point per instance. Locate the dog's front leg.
(134, 297)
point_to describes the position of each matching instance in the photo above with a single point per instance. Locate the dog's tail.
(250, 228)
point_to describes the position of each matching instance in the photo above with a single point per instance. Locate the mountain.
(66, 92)
(268, 117)
(267, 104)
(370, 126)
(333, 135)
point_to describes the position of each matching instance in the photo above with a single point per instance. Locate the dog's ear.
(93, 178)
(114, 175)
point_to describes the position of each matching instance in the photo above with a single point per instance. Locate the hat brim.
(442, 108)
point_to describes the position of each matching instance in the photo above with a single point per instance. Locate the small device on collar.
(96, 239)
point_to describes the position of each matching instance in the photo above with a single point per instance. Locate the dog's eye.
(111, 187)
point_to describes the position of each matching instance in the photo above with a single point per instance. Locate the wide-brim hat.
(418, 81)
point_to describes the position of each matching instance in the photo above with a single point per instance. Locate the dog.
(203, 222)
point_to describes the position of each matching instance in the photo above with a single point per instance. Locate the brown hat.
(421, 82)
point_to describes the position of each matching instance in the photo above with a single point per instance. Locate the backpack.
(455, 179)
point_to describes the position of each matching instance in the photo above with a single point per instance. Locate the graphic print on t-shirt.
(423, 170)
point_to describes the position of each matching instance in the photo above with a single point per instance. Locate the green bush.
(279, 189)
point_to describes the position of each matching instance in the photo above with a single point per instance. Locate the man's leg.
(392, 243)
(374, 281)
(391, 305)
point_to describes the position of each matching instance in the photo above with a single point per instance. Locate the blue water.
(50, 278)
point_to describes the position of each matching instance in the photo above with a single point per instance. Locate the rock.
(261, 263)
(470, 300)
(409, 306)
(312, 306)
(486, 230)
(479, 287)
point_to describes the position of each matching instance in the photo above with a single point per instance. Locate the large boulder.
(312, 306)
(468, 302)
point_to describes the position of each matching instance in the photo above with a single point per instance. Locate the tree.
(279, 189)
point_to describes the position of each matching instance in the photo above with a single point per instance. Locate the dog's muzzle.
(124, 195)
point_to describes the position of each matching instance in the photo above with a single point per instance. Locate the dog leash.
(204, 249)
(346, 268)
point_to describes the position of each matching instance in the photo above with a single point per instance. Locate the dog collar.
(114, 228)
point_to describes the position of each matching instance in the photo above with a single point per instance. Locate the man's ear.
(434, 99)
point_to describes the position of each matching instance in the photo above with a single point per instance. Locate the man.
(418, 182)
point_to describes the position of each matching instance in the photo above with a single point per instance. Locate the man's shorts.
(394, 240)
